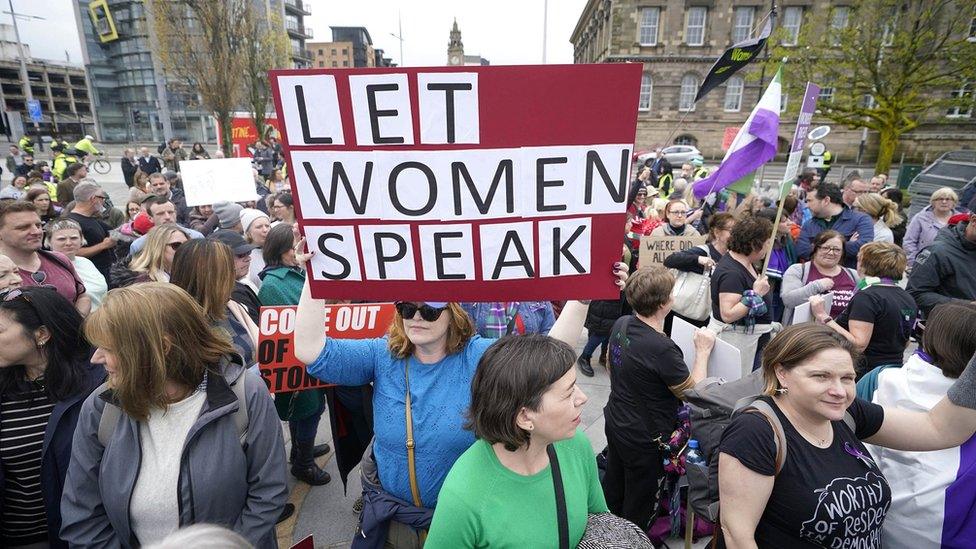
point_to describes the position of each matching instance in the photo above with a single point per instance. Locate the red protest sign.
(281, 371)
(729, 137)
(460, 183)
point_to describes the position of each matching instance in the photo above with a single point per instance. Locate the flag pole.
(772, 240)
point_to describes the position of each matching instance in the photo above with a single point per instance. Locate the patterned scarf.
(499, 315)
(757, 308)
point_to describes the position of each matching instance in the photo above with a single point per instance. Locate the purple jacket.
(921, 232)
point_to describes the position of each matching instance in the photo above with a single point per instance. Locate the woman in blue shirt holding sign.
(421, 374)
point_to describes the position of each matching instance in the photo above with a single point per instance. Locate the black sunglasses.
(428, 313)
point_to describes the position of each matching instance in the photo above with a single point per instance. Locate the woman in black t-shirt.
(881, 316)
(741, 300)
(827, 491)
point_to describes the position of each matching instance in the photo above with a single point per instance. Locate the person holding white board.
(825, 273)
(648, 378)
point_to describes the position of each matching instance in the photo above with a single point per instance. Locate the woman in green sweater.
(281, 284)
(500, 492)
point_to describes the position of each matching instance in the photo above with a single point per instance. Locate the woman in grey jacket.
(182, 433)
(824, 273)
(928, 222)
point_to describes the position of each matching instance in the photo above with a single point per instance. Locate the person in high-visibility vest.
(699, 172)
(827, 157)
(63, 159)
(26, 144)
(86, 145)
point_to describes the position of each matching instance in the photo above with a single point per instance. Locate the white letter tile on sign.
(381, 109)
(311, 109)
(448, 107)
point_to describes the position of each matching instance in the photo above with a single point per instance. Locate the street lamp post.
(28, 93)
(399, 37)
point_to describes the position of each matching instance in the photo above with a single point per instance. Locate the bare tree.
(199, 43)
(265, 47)
(889, 63)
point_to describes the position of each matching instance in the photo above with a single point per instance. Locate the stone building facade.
(677, 41)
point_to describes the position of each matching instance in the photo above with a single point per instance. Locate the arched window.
(733, 94)
(647, 86)
(686, 139)
(689, 87)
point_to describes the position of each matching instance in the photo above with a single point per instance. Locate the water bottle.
(693, 455)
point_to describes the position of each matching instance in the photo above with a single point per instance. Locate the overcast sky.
(506, 32)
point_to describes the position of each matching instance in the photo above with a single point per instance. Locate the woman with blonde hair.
(927, 223)
(155, 259)
(786, 463)
(182, 432)
(420, 373)
(881, 315)
(883, 212)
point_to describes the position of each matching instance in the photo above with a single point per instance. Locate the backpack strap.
(562, 520)
(763, 408)
(849, 421)
(240, 416)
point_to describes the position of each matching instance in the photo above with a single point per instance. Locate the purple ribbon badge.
(861, 456)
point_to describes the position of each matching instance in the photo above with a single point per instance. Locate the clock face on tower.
(455, 59)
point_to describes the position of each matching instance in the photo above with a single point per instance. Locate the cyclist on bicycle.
(86, 147)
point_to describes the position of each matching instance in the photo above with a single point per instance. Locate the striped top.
(23, 420)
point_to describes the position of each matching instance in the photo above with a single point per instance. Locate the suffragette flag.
(754, 145)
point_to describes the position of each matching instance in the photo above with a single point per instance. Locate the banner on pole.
(799, 136)
(733, 59)
(460, 183)
(281, 371)
(655, 249)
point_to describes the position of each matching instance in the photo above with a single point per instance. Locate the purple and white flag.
(753, 146)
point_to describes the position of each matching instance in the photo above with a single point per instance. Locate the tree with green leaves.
(891, 64)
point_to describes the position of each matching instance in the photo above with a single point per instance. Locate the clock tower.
(455, 49)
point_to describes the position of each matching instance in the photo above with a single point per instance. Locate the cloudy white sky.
(503, 31)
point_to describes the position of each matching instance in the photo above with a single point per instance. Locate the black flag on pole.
(734, 58)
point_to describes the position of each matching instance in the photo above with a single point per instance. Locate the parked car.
(675, 154)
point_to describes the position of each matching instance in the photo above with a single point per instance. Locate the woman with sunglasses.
(824, 273)
(154, 260)
(45, 376)
(281, 284)
(423, 367)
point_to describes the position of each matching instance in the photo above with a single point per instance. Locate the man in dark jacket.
(149, 163)
(829, 212)
(946, 270)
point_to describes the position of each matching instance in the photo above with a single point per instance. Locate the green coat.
(283, 286)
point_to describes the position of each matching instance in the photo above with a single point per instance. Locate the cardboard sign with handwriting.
(655, 249)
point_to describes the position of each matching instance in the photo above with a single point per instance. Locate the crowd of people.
(131, 410)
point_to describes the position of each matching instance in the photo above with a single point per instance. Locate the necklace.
(818, 441)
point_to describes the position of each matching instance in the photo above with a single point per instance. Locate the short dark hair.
(66, 351)
(829, 190)
(514, 373)
(950, 336)
(824, 236)
(718, 222)
(18, 206)
(750, 234)
(73, 169)
(648, 289)
(285, 198)
(153, 200)
(279, 240)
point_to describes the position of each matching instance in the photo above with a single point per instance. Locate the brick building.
(677, 41)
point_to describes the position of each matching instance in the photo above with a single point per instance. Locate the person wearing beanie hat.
(229, 215)
(255, 225)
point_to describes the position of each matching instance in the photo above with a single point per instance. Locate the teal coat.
(283, 286)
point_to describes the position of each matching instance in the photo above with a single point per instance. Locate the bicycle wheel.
(100, 165)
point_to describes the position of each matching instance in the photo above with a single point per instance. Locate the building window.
(335, 63)
(333, 51)
(784, 100)
(792, 17)
(647, 86)
(689, 87)
(321, 51)
(733, 94)
(742, 23)
(648, 26)
(695, 29)
(838, 22)
(321, 63)
(345, 51)
(826, 95)
(345, 63)
(686, 139)
(963, 110)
